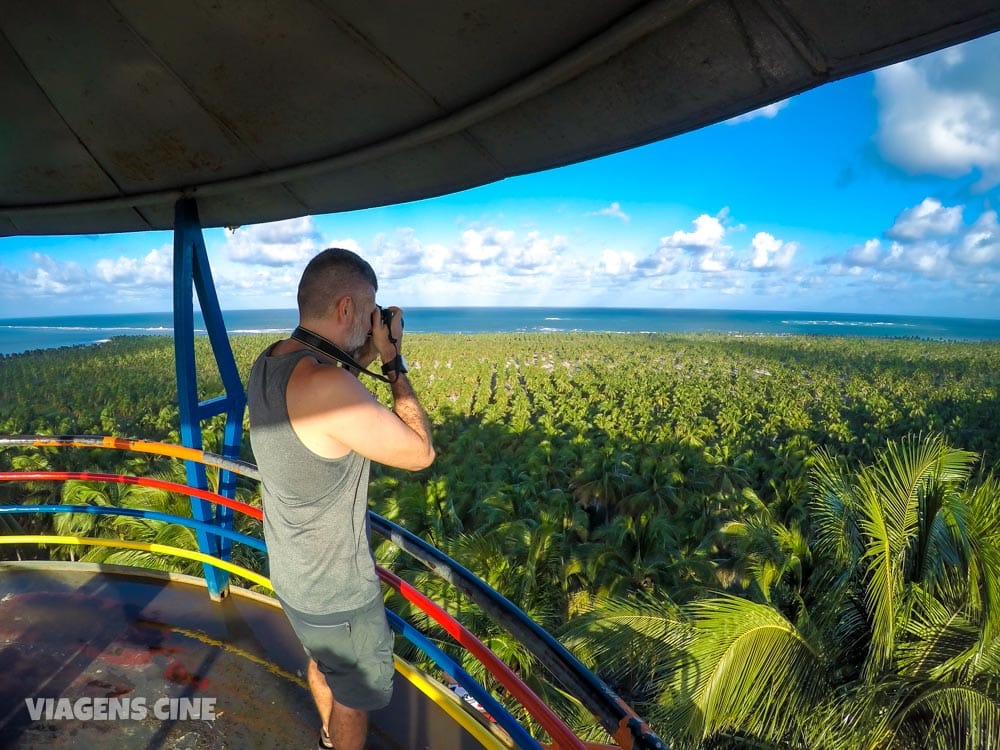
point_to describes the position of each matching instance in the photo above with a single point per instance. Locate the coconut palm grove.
(758, 542)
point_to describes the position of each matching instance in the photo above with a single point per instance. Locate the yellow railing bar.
(436, 692)
(161, 549)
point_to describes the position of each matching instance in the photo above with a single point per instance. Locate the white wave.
(142, 329)
(849, 323)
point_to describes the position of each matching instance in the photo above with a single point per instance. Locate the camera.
(386, 316)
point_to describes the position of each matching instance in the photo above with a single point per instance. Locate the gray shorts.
(353, 650)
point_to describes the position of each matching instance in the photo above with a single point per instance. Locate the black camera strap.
(325, 346)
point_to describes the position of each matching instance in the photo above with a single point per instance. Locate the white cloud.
(616, 263)
(536, 254)
(927, 219)
(484, 245)
(67, 286)
(712, 261)
(770, 253)
(868, 254)
(258, 286)
(50, 277)
(279, 243)
(665, 261)
(923, 258)
(707, 235)
(614, 211)
(702, 250)
(696, 265)
(930, 242)
(927, 248)
(435, 256)
(940, 114)
(398, 255)
(980, 245)
(8, 277)
(840, 268)
(504, 249)
(768, 112)
(154, 269)
(704, 247)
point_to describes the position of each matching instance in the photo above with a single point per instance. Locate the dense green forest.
(704, 519)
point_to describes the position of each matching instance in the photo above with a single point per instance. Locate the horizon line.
(294, 311)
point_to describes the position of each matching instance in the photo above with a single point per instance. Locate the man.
(314, 429)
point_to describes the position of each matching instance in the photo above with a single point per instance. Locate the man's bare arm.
(409, 409)
(349, 417)
(332, 412)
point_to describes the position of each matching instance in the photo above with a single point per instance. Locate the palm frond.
(944, 716)
(941, 642)
(882, 563)
(984, 564)
(833, 512)
(749, 670)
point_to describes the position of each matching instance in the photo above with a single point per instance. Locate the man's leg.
(346, 727)
(321, 693)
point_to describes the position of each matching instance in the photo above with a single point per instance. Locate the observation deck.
(74, 631)
(97, 655)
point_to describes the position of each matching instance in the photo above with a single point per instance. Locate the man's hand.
(388, 340)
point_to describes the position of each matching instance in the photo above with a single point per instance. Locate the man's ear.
(345, 307)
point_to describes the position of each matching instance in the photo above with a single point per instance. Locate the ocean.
(24, 334)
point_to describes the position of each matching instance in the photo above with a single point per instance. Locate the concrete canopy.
(264, 110)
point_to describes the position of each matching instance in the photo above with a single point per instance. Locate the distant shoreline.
(18, 335)
(96, 346)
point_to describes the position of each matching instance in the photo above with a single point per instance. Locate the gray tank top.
(315, 509)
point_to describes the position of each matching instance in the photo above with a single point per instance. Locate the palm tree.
(80, 492)
(83, 492)
(768, 559)
(892, 640)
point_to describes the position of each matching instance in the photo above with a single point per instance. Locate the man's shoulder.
(267, 353)
(326, 380)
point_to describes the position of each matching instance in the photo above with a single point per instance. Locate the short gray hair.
(330, 275)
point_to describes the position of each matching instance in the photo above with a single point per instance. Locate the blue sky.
(874, 194)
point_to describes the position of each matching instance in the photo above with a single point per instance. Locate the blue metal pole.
(522, 740)
(193, 273)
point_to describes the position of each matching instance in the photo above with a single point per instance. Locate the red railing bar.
(159, 484)
(562, 736)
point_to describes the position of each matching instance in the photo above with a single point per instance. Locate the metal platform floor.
(85, 631)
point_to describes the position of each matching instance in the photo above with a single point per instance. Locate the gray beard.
(357, 348)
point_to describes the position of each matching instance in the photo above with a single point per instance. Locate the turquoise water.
(24, 334)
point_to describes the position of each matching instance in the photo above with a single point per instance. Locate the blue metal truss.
(192, 273)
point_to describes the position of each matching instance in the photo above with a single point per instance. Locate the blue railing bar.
(574, 676)
(108, 510)
(512, 726)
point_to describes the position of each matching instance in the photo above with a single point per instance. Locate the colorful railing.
(614, 715)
